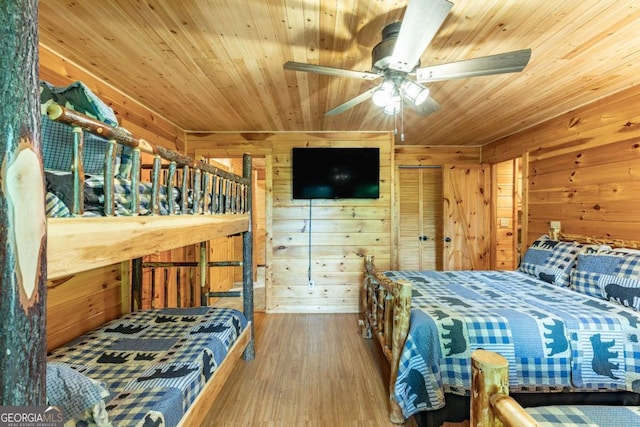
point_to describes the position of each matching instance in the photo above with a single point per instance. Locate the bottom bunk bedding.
(586, 416)
(554, 338)
(146, 367)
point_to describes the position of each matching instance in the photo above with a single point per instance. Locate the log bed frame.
(83, 243)
(386, 311)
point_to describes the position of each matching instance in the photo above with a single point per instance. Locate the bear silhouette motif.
(601, 356)
(559, 341)
(457, 344)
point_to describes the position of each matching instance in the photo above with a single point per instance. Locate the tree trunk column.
(22, 214)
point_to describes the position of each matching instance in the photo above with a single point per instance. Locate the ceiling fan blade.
(351, 103)
(427, 107)
(510, 62)
(330, 71)
(420, 23)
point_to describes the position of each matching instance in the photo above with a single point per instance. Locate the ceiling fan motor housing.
(383, 51)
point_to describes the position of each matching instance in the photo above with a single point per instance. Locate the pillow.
(73, 393)
(78, 97)
(57, 147)
(550, 260)
(609, 274)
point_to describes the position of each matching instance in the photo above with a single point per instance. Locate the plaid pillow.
(71, 391)
(550, 260)
(609, 274)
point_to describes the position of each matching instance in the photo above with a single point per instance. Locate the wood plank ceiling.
(216, 65)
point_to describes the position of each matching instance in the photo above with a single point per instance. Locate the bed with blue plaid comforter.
(554, 338)
(153, 363)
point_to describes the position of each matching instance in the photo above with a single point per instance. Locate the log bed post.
(23, 270)
(247, 260)
(491, 405)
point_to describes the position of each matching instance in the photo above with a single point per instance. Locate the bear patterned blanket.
(553, 337)
(152, 363)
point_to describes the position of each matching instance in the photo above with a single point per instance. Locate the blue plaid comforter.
(553, 337)
(154, 362)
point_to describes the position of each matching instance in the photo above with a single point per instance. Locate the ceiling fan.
(396, 60)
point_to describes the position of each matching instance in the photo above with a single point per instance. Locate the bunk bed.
(163, 366)
(566, 335)
(491, 403)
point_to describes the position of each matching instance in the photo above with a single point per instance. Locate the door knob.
(423, 238)
(447, 239)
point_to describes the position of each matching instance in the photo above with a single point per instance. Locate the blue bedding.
(587, 416)
(153, 363)
(554, 338)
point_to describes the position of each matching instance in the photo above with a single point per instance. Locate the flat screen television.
(336, 173)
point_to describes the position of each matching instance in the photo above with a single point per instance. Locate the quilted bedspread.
(554, 338)
(154, 362)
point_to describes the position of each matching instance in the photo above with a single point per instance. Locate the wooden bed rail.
(214, 190)
(614, 243)
(491, 405)
(386, 311)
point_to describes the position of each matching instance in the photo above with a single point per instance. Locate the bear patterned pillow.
(550, 260)
(611, 275)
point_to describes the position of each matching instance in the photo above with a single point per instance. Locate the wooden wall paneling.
(415, 155)
(268, 213)
(505, 221)
(591, 191)
(259, 219)
(342, 231)
(81, 302)
(582, 169)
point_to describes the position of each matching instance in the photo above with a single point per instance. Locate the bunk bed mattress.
(155, 362)
(555, 339)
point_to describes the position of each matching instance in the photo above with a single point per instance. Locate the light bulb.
(383, 94)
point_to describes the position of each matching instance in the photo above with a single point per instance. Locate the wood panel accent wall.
(79, 303)
(342, 231)
(505, 199)
(583, 170)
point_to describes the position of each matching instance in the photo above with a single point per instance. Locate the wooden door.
(420, 218)
(467, 218)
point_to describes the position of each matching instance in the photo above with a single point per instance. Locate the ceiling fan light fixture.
(414, 92)
(382, 96)
(393, 106)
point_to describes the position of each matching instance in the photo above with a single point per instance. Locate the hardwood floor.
(309, 370)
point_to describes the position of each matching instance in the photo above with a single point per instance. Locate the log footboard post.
(491, 404)
(365, 302)
(401, 318)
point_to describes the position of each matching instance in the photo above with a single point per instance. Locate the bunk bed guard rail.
(213, 190)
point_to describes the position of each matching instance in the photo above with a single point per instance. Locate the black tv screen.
(336, 173)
